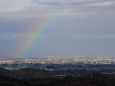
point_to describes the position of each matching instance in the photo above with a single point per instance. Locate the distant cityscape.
(57, 71)
(57, 60)
(51, 63)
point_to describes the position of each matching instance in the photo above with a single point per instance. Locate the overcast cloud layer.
(85, 27)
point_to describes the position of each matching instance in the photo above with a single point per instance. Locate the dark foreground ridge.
(36, 77)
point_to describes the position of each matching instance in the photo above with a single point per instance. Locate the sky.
(57, 28)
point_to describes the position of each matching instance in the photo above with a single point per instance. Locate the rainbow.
(35, 35)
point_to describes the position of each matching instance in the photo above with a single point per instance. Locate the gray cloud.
(33, 8)
(93, 36)
(72, 4)
(10, 36)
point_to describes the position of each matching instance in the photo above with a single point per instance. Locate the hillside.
(24, 77)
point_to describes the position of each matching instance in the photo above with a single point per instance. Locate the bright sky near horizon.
(66, 28)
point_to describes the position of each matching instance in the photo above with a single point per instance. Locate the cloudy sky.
(77, 27)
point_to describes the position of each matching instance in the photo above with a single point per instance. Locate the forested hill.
(9, 78)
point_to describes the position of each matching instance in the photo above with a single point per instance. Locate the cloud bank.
(35, 8)
(94, 36)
